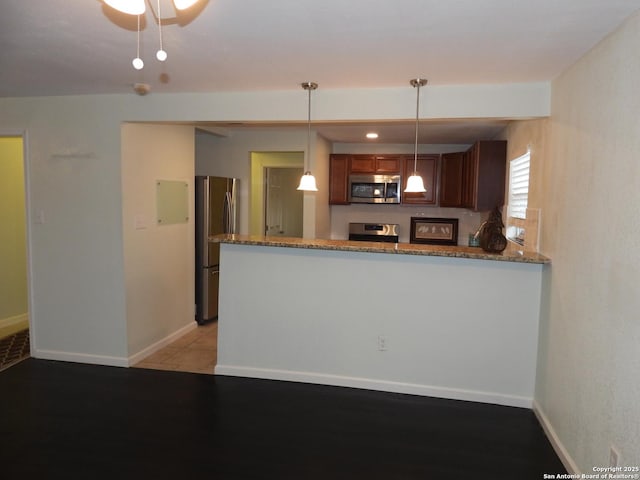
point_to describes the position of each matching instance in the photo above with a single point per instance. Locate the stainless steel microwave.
(374, 188)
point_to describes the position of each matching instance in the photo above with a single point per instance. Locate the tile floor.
(194, 352)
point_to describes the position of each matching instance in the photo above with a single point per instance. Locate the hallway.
(194, 352)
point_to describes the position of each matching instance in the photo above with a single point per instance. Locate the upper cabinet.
(474, 179)
(342, 165)
(485, 168)
(427, 168)
(384, 164)
(338, 179)
(451, 167)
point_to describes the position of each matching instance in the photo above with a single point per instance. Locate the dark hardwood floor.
(74, 421)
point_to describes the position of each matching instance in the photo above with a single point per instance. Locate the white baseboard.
(108, 360)
(142, 354)
(378, 385)
(80, 358)
(558, 446)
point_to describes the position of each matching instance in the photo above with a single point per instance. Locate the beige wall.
(158, 259)
(532, 136)
(13, 237)
(319, 209)
(589, 359)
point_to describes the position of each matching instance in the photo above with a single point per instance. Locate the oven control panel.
(374, 232)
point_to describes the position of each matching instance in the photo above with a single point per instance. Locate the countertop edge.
(509, 255)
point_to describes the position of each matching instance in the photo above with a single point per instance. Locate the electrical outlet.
(382, 343)
(614, 457)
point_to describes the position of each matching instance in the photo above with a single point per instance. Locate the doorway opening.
(283, 203)
(14, 290)
(276, 206)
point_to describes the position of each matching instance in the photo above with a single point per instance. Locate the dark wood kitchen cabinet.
(427, 166)
(474, 179)
(339, 179)
(484, 174)
(342, 165)
(451, 168)
(383, 164)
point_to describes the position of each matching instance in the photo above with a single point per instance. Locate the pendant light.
(308, 181)
(414, 182)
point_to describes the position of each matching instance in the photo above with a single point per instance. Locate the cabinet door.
(483, 175)
(382, 164)
(451, 167)
(338, 179)
(363, 164)
(490, 175)
(426, 168)
(469, 177)
(388, 164)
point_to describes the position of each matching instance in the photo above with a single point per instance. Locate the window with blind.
(519, 186)
(518, 198)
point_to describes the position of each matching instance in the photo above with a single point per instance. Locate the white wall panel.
(456, 328)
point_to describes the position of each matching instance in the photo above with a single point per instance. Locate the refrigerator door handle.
(206, 222)
(229, 213)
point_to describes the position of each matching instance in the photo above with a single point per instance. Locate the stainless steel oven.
(374, 188)
(374, 232)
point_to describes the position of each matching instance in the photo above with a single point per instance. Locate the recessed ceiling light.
(372, 135)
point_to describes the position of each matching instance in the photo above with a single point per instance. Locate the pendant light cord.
(415, 152)
(308, 86)
(138, 52)
(308, 132)
(160, 24)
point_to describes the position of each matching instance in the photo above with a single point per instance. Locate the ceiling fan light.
(184, 4)
(308, 183)
(415, 184)
(130, 7)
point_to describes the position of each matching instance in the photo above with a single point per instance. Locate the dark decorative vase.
(491, 238)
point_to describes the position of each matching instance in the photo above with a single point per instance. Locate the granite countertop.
(511, 254)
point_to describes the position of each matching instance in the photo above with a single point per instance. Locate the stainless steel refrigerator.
(215, 209)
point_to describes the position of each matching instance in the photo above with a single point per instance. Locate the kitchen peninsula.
(444, 321)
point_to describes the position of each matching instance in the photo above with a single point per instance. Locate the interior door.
(283, 202)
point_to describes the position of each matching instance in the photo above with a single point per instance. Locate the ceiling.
(430, 132)
(58, 47)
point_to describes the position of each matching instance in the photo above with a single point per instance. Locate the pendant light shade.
(131, 7)
(415, 183)
(308, 181)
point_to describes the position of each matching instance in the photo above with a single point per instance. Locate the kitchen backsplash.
(342, 215)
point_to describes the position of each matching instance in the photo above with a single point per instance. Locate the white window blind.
(519, 186)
